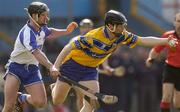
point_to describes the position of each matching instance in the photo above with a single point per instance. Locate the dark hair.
(115, 17)
(37, 8)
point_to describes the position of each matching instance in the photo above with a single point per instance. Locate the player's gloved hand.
(109, 70)
(149, 62)
(70, 28)
(54, 71)
(172, 42)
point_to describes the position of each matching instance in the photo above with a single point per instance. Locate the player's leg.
(32, 80)
(62, 87)
(168, 88)
(166, 97)
(79, 98)
(94, 85)
(37, 95)
(176, 99)
(10, 90)
(60, 92)
(82, 100)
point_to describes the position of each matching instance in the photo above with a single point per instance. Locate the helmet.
(37, 7)
(86, 23)
(115, 17)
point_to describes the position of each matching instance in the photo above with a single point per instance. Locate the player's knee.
(95, 104)
(167, 98)
(80, 103)
(177, 105)
(39, 103)
(57, 101)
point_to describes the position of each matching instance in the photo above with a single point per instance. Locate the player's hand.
(172, 42)
(109, 70)
(149, 62)
(54, 71)
(70, 28)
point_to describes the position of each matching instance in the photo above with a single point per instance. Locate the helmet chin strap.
(113, 31)
(34, 21)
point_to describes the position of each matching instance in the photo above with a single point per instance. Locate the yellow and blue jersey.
(95, 47)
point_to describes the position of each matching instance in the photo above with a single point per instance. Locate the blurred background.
(139, 90)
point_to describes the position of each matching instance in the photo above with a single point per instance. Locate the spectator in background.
(171, 73)
(85, 26)
(23, 63)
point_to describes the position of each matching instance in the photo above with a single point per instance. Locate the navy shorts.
(172, 75)
(77, 72)
(26, 74)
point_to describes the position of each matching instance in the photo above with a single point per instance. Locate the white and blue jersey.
(27, 41)
(22, 64)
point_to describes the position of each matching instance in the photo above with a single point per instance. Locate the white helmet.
(86, 23)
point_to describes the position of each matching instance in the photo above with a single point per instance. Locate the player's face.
(177, 23)
(43, 18)
(120, 28)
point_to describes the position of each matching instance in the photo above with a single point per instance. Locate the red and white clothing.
(173, 54)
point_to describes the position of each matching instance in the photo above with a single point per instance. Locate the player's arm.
(152, 41)
(74, 44)
(106, 66)
(65, 51)
(30, 43)
(60, 32)
(43, 60)
(151, 57)
(133, 40)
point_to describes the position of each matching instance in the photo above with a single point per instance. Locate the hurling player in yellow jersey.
(80, 58)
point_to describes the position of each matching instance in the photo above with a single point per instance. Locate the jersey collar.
(106, 32)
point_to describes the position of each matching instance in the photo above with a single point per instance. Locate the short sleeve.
(29, 40)
(131, 39)
(159, 48)
(82, 42)
(46, 30)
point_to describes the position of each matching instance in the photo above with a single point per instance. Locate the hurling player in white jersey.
(23, 63)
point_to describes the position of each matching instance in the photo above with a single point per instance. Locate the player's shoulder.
(44, 27)
(169, 33)
(95, 31)
(25, 29)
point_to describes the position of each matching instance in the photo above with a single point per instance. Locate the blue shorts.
(26, 74)
(77, 72)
